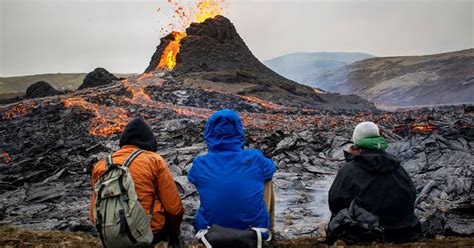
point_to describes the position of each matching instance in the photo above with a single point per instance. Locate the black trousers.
(405, 235)
(165, 235)
(161, 236)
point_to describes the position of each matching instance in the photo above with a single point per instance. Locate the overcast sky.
(49, 36)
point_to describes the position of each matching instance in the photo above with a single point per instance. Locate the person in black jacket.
(379, 184)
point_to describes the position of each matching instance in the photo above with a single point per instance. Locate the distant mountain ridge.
(446, 78)
(302, 67)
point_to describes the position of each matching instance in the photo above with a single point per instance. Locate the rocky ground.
(48, 146)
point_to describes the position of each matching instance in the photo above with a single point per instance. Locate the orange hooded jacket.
(150, 174)
(147, 168)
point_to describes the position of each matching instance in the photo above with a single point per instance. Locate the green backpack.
(119, 217)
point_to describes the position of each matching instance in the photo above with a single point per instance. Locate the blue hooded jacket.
(229, 179)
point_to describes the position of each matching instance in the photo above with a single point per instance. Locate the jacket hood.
(224, 132)
(374, 161)
(138, 133)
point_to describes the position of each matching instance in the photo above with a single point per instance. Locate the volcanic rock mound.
(213, 55)
(98, 77)
(41, 89)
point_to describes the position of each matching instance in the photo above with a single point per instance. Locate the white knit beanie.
(365, 129)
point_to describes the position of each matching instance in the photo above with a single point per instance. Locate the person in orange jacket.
(146, 169)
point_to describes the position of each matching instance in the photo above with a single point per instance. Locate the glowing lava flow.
(268, 105)
(107, 121)
(138, 89)
(18, 109)
(193, 112)
(424, 128)
(110, 120)
(168, 58)
(197, 12)
(265, 104)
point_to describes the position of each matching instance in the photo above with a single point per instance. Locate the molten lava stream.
(107, 121)
(193, 112)
(267, 105)
(137, 88)
(424, 128)
(18, 109)
(168, 58)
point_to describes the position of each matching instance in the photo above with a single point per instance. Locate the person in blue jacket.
(230, 179)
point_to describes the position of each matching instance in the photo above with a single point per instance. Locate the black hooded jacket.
(380, 185)
(138, 133)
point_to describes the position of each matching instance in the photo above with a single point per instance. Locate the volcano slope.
(214, 56)
(48, 146)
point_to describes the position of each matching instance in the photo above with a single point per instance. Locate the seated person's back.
(380, 185)
(152, 180)
(387, 189)
(229, 179)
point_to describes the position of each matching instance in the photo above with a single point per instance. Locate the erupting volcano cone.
(212, 55)
(213, 45)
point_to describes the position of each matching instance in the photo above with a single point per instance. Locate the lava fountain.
(196, 12)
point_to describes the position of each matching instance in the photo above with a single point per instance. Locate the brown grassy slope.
(10, 95)
(12, 237)
(69, 81)
(60, 81)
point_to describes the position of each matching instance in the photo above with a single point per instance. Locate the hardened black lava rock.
(98, 77)
(41, 89)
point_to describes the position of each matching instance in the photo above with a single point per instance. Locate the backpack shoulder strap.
(108, 162)
(132, 157)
